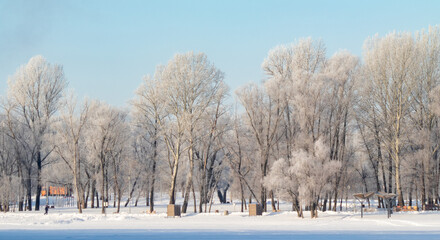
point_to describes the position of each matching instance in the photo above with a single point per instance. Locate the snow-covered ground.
(66, 223)
(280, 221)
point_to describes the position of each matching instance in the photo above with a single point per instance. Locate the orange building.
(54, 191)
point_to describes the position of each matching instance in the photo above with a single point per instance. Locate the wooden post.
(255, 210)
(173, 210)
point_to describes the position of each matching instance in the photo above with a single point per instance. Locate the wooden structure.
(173, 210)
(388, 198)
(255, 209)
(361, 197)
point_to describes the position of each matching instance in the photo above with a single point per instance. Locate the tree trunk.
(97, 198)
(274, 208)
(172, 191)
(189, 180)
(29, 192)
(399, 187)
(390, 174)
(379, 161)
(194, 198)
(137, 198)
(130, 195)
(103, 187)
(401, 203)
(335, 202)
(187, 191)
(202, 197)
(153, 179)
(119, 201)
(92, 192)
(423, 185)
(21, 204)
(114, 196)
(384, 179)
(242, 195)
(107, 193)
(324, 204)
(37, 197)
(220, 196)
(265, 159)
(153, 170)
(87, 195)
(79, 194)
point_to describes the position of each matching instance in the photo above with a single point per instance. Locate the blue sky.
(107, 46)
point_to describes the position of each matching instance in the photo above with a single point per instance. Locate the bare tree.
(389, 66)
(340, 75)
(107, 137)
(425, 123)
(190, 85)
(9, 182)
(70, 139)
(35, 90)
(209, 152)
(149, 112)
(240, 154)
(263, 115)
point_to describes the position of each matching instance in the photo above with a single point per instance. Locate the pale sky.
(107, 46)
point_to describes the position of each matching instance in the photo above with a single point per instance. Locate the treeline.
(317, 130)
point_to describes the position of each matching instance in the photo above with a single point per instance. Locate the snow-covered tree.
(148, 114)
(9, 181)
(189, 85)
(192, 85)
(424, 122)
(209, 152)
(263, 114)
(305, 176)
(107, 139)
(390, 64)
(35, 91)
(70, 142)
(241, 157)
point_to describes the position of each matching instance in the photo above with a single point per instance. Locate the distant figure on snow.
(46, 209)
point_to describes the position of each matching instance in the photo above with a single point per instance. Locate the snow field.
(135, 223)
(67, 218)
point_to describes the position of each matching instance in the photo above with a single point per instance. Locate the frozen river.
(229, 235)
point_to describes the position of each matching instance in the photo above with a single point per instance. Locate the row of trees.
(317, 130)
